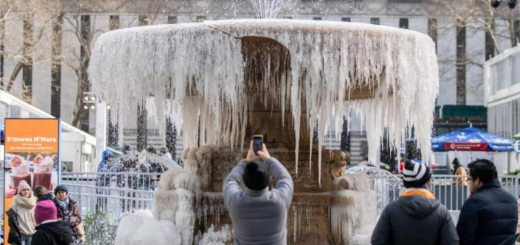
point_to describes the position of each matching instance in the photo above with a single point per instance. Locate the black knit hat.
(415, 175)
(256, 175)
(61, 187)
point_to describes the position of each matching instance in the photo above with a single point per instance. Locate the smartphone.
(258, 140)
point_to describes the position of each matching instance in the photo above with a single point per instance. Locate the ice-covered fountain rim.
(276, 26)
(209, 55)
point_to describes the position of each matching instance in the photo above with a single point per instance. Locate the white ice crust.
(197, 70)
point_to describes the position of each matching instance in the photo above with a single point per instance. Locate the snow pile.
(197, 70)
(141, 228)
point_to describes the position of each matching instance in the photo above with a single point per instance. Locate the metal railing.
(452, 196)
(123, 192)
(110, 200)
(120, 180)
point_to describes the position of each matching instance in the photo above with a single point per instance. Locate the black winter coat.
(413, 220)
(54, 233)
(488, 217)
(14, 237)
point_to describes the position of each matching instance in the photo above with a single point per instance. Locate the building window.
(316, 18)
(172, 19)
(461, 62)
(345, 19)
(374, 21)
(432, 31)
(403, 23)
(144, 20)
(113, 22)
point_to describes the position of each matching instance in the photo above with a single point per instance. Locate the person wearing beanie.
(21, 216)
(259, 215)
(50, 231)
(68, 210)
(416, 217)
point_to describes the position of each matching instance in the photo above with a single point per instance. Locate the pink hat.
(23, 185)
(45, 210)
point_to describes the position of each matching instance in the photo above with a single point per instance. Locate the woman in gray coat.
(416, 217)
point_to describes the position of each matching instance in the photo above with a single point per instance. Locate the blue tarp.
(471, 139)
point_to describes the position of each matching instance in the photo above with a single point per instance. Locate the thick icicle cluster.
(198, 69)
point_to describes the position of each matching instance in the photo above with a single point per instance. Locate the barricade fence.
(119, 193)
(450, 190)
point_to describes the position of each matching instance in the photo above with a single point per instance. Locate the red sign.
(464, 146)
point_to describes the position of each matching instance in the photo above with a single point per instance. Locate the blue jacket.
(488, 217)
(104, 180)
(102, 167)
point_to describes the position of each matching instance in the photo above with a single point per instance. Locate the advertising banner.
(31, 155)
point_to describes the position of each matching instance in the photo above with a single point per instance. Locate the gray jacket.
(259, 217)
(413, 220)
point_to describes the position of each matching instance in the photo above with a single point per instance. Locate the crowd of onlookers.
(41, 218)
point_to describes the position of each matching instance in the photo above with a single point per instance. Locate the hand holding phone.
(258, 140)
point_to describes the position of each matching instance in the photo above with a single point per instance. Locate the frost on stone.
(217, 237)
(353, 209)
(197, 71)
(176, 200)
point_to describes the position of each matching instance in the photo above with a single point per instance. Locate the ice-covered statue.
(224, 81)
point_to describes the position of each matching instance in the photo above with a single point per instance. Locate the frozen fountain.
(277, 78)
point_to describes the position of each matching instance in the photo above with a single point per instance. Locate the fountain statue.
(224, 81)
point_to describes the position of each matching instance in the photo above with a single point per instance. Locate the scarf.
(25, 202)
(64, 207)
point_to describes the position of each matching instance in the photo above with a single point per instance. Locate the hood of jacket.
(418, 206)
(107, 154)
(60, 231)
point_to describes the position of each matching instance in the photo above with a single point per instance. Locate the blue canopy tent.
(471, 139)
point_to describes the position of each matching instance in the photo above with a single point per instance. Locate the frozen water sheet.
(198, 70)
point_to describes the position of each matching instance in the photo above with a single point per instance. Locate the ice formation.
(176, 200)
(197, 70)
(354, 209)
(213, 237)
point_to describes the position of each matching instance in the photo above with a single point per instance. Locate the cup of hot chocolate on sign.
(19, 171)
(43, 165)
(42, 171)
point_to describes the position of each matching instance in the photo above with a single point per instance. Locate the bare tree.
(476, 15)
(36, 16)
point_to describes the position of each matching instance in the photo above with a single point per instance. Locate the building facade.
(55, 79)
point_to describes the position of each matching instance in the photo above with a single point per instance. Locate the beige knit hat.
(23, 185)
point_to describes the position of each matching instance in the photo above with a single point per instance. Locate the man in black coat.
(50, 231)
(490, 214)
(416, 217)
